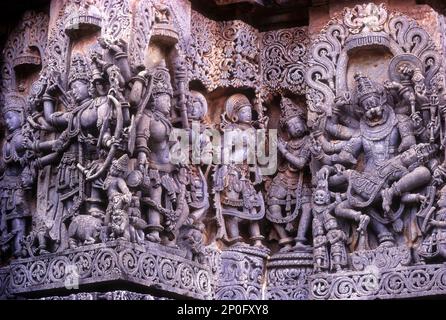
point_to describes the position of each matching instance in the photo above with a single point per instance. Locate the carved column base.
(288, 276)
(382, 273)
(5, 284)
(151, 268)
(241, 273)
(112, 295)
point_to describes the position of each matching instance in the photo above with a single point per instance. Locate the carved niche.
(25, 49)
(363, 26)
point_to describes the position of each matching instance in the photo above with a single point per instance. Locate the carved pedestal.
(5, 291)
(288, 276)
(112, 295)
(151, 268)
(383, 273)
(241, 273)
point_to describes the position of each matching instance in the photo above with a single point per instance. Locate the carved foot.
(258, 243)
(363, 222)
(42, 250)
(300, 246)
(18, 253)
(286, 248)
(153, 237)
(387, 244)
(89, 241)
(73, 244)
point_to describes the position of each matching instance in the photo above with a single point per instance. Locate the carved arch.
(366, 25)
(30, 34)
(142, 30)
(116, 23)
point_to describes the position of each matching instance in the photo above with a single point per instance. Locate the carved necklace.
(9, 152)
(296, 144)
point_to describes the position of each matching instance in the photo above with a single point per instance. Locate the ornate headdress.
(365, 87)
(288, 110)
(197, 96)
(14, 102)
(235, 103)
(79, 70)
(322, 184)
(161, 80)
(121, 164)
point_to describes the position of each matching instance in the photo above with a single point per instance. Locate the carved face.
(409, 157)
(195, 110)
(320, 197)
(296, 127)
(79, 89)
(244, 114)
(13, 120)
(162, 103)
(373, 109)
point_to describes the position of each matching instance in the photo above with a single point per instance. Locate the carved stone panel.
(133, 151)
(241, 274)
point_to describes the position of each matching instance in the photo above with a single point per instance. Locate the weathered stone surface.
(153, 267)
(241, 274)
(133, 151)
(288, 275)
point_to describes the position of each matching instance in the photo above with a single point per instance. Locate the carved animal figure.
(120, 225)
(84, 230)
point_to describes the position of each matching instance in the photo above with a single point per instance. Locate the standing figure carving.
(289, 196)
(85, 133)
(329, 240)
(162, 182)
(197, 190)
(16, 178)
(236, 198)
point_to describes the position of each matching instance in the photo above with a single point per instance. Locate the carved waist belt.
(232, 202)
(165, 167)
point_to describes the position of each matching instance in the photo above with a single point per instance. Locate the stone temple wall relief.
(119, 123)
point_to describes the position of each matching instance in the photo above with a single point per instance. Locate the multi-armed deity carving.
(87, 153)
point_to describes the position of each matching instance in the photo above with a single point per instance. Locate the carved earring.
(234, 119)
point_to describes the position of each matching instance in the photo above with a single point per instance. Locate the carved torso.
(380, 142)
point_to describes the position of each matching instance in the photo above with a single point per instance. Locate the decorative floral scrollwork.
(105, 263)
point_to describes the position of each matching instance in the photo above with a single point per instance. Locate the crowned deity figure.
(85, 129)
(381, 136)
(162, 182)
(236, 199)
(16, 178)
(289, 196)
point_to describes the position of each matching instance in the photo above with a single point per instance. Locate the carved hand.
(323, 173)
(27, 143)
(52, 89)
(282, 146)
(316, 148)
(416, 118)
(347, 157)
